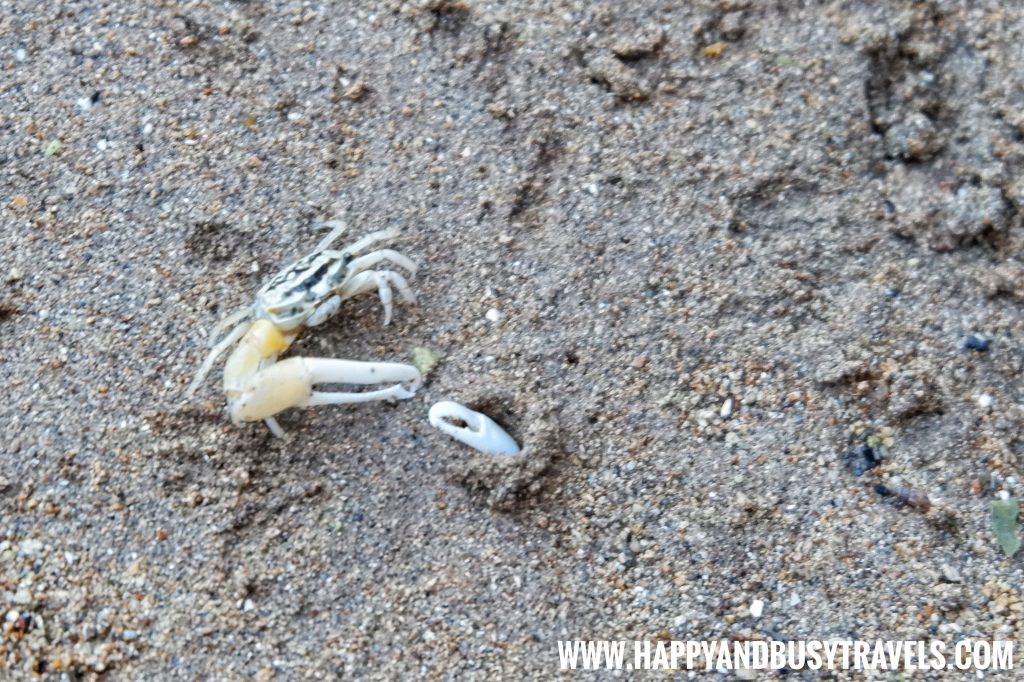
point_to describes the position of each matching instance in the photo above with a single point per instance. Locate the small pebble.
(950, 574)
(425, 359)
(621, 80)
(639, 45)
(862, 459)
(355, 91)
(732, 25)
(974, 342)
(714, 50)
(914, 139)
(757, 608)
(726, 411)
(494, 315)
(985, 401)
(30, 548)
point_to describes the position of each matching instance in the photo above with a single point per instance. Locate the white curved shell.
(480, 431)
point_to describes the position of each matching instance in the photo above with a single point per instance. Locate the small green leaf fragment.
(875, 441)
(1005, 526)
(425, 359)
(52, 148)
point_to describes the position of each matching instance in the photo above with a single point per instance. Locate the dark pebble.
(862, 459)
(977, 343)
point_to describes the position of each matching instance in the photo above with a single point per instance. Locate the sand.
(730, 246)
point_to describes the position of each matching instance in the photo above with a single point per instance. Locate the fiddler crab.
(306, 294)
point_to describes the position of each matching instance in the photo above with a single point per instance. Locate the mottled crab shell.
(291, 296)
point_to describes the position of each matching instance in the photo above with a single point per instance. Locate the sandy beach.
(743, 278)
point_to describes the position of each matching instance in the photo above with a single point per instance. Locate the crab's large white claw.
(289, 383)
(273, 389)
(480, 431)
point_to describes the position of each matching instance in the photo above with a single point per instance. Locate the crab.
(306, 294)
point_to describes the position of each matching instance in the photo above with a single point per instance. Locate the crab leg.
(225, 343)
(382, 280)
(369, 260)
(372, 238)
(339, 228)
(231, 320)
(356, 247)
